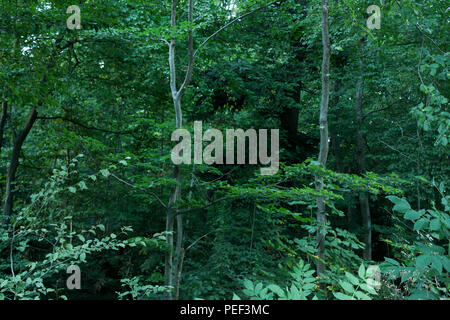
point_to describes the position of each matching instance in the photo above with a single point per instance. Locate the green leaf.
(82, 185)
(435, 225)
(248, 284)
(276, 289)
(347, 286)
(352, 278)
(411, 215)
(420, 224)
(436, 263)
(362, 296)
(446, 263)
(361, 271)
(401, 205)
(392, 261)
(105, 172)
(342, 296)
(423, 261)
(368, 289)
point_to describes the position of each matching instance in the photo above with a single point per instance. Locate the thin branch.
(226, 174)
(207, 234)
(388, 106)
(205, 206)
(160, 39)
(80, 124)
(420, 62)
(230, 23)
(142, 189)
(392, 148)
(190, 68)
(173, 73)
(424, 34)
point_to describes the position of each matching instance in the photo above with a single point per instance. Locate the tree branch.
(190, 68)
(205, 206)
(142, 189)
(230, 23)
(78, 123)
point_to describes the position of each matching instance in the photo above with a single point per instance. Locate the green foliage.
(139, 291)
(301, 286)
(424, 265)
(94, 174)
(361, 287)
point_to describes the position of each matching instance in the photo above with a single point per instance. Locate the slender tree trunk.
(3, 115)
(335, 141)
(179, 253)
(14, 163)
(350, 215)
(334, 138)
(363, 196)
(323, 154)
(419, 165)
(170, 268)
(174, 257)
(173, 270)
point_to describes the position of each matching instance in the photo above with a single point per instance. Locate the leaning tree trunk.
(323, 154)
(363, 196)
(14, 163)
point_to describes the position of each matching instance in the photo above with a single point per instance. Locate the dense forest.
(120, 177)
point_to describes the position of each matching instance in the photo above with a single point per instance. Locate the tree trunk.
(323, 154)
(173, 271)
(335, 141)
(4, 113)
(363, 196)
(18, 142)
(174, 260)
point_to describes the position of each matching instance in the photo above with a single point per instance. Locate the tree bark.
(173, 271)
(4, 113)
(334, 138)
(174, 258)
(11, 175)
(363, 196)
(323, 154)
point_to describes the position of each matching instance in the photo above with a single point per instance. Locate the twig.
(142, 189)
(420, 62)
(229, 24)
(205, 206)
(78, 123)
(392, 148)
